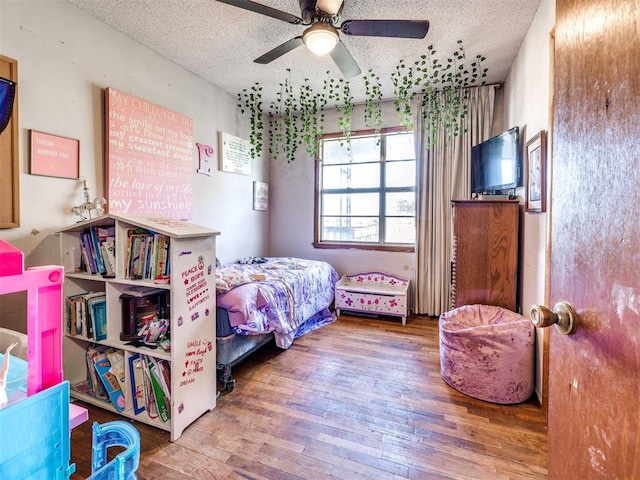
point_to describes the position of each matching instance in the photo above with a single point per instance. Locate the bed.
(265, 299)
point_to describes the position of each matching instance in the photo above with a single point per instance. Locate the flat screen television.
(496, 164)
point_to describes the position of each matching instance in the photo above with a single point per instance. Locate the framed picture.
(260, 196)
(536, 163)
(54, 156)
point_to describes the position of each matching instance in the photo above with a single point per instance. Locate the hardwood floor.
(358, 399)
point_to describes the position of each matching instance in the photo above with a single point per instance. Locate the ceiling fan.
(321, 35)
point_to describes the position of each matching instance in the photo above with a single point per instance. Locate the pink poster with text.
(149, 158)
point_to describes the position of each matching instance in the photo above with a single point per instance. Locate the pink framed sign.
(54, 156)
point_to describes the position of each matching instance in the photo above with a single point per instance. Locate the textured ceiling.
(219, 42)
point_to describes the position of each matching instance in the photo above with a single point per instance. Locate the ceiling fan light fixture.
(320, 38)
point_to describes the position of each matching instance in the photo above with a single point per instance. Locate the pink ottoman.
(487, 352)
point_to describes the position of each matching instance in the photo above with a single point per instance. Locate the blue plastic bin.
(115, 434)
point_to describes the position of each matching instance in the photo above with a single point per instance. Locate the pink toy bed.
(277, 298)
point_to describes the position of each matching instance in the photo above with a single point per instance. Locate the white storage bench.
(373, 292)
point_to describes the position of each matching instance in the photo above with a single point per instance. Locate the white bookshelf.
(192, 315)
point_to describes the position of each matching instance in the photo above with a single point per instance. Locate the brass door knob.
(563, 316)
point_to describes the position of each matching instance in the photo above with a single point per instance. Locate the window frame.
(390, 247)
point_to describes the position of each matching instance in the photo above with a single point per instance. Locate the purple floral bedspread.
(276, 296)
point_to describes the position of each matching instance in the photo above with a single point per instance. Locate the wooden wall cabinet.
(484, 265)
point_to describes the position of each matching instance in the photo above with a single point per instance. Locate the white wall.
(527, 104)
(65, 60)
(292, 217)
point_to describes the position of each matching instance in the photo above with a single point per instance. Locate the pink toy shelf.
(44, 311)
(36, 429)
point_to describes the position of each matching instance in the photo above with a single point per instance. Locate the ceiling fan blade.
(386, 28)
(264, 10)
(280, 50)
(332, 7)
(345, 61)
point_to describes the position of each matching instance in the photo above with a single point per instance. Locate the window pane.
(400, 230)
(350, 229)
(363, 184)
(365, 175)
(401, 203)
(363, 149)
(400, 174)
(350, 204)
(400, 147)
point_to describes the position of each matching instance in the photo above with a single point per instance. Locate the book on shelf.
(110, 381)
(105, 375)
(98, 310)
(156, 386)
(136, 373)
(150, 404)
(116, 359)
(97, 245)
(95, 387)
(95, 248)
(87, 314)
(147, 255)
(74, 322)
(88, 254)
(108, 250)
(95, 312)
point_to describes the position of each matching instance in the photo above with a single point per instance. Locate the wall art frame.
(54, 156)
(260, 196)
(536, 168)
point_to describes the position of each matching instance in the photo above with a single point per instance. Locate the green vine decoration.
(373, 102)
(297, 117)
(339, 90)
(312, 118)
(250, 100)
(283, 123)
(443, 87)
(402, 79)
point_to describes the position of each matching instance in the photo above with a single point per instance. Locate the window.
(366, 193)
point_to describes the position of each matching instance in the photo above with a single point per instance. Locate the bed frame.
(232, 350)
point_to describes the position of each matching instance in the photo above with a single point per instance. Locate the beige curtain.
(443, 174)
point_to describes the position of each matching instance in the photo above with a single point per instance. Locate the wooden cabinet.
(484, 266)
(190, 287)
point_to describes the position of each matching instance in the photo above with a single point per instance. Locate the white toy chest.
(373, 292)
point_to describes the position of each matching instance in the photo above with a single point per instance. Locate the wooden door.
(594, 375)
